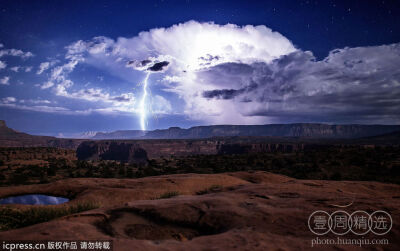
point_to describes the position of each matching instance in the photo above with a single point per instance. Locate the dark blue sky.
(319, 26)
(45, 28)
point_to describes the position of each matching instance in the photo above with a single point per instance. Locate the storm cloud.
(249, 74)
(158, 66)
(350, 85)
(222, 94)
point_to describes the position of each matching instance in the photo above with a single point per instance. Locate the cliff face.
(309, 130)
(121, 151)
(131, 134)
(278, 130)
(135, 150)
(12, 138)
(139, 151)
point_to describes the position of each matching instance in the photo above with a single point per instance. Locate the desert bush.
(150, 171)
(211, 189)
(167, 195)
(19, 178)
(129, 172)
(51, 170)
(81, 164)
(89, 172)
(336, 176)
(122, 171)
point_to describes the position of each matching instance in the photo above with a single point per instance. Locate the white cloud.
(5, 80)
(194, 47)
(60, 73)
(11, 102)
(159, 105)
(59, 78)
(45, 66)
(35, 101)
(61, 84)
(187, 47)
(190, 46)
(8, 100)
(125, 101)
(42, 67)
(15, 68)
(47, 85)
(16, 53)
(18, 68)
(42, 108)
(3, 65)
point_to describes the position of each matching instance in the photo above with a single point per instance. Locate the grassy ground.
(11, 218)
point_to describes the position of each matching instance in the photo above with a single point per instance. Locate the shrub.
(19, 178)
(336, 176)
(167, 195)
(122, 171)
(211, 189)
(129, 172)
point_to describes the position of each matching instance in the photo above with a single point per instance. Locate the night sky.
(69, 67)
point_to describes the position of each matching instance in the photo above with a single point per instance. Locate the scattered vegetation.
(211, 189)
(168, 195)
(328, 162)
(11, 218)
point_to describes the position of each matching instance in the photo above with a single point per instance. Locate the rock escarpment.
(12, 138)
(138, 150)
(308, 130)
(121, 134)
(125, 152)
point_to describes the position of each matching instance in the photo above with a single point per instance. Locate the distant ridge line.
(308, 130)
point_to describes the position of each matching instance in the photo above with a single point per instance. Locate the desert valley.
(234, 192)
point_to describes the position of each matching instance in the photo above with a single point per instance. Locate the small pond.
(33, 199)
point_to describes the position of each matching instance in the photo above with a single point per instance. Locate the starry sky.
(73, 67)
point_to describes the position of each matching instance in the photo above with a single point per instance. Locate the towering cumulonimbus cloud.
(178, 51)
(251, 74)
(193, 45)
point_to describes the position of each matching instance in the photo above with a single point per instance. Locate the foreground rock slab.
(231, 211)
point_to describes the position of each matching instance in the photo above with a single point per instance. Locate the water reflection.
(33, 199)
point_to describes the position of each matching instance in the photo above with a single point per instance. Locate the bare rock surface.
(243, 211)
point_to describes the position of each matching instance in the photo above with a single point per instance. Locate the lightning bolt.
(142, 105)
